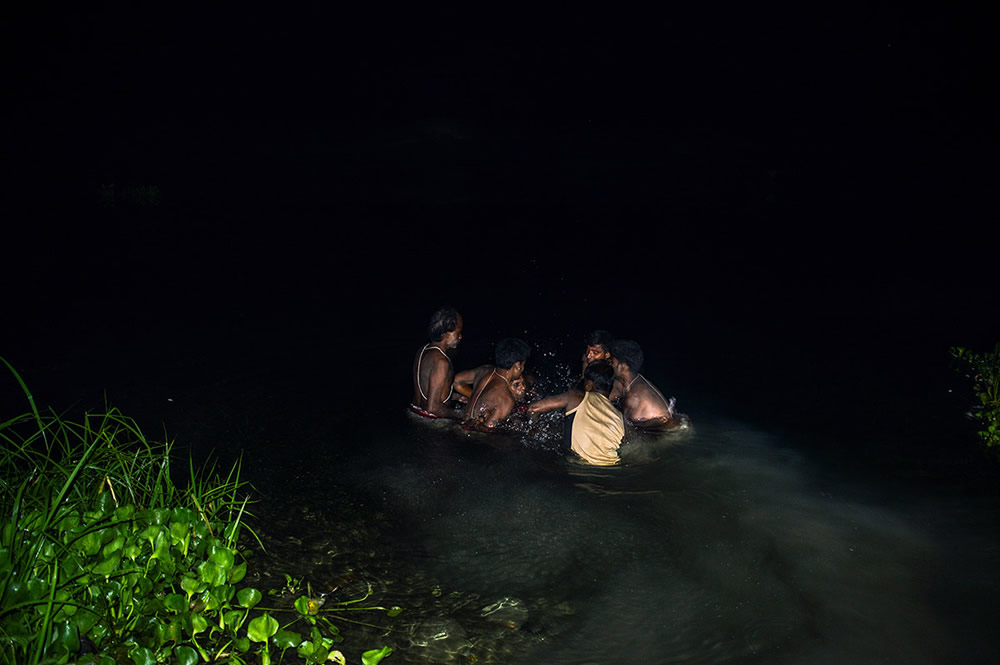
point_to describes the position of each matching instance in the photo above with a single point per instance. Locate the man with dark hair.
(594, 427)
(494, 397)
(597, 346)
(644, 406)
(432, 369)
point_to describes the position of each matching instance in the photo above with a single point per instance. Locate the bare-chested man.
(495, 396)
(432, 369)
(466, 381)
(644, 406)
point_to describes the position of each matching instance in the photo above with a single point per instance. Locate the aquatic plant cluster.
(983, 372)
(105, 559)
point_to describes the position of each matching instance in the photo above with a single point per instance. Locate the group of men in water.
(609, 397)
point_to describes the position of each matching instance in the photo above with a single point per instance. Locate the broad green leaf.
(108, 565)
(65, 636)
(98, 632)
(375, 656)
(85, 621)
(232, 619)
(302, 605)
(198, 624)
(394, 611)
(143, 586)
(262, 628)
(67, 523)
(18, 634)
(143, 656)
(242, 644)
(62, 596)
(116, 544)
(202, 531)
(186, 655)
(168, 632)
(175, 602)
(209, 601)
(337, 657)
(161, 546)
(48, 552)
(237, 574)
(211, 573)
(149, 533)
(222, 594)
(179, 531)
(191, 585)
(248, 597)
(319, 654)
(132, 550)
(285, 639)
(16, 592)
(222, 556)
(89, 544)
(37, 588)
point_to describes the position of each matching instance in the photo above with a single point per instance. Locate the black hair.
(628, 352)
(511, 350)
(599, 338)
(601, 374)
(443, 322)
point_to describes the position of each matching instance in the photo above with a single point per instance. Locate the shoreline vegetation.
(106, 558)
(982, 371)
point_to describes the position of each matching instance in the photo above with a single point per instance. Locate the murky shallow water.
(726, 544)
(719, 545)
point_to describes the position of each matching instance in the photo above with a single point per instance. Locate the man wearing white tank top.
(433, 372)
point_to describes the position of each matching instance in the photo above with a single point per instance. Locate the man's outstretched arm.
(552, 403)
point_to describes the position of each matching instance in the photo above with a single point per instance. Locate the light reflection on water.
(721, 545)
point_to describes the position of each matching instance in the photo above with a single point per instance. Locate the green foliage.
(104, 559)
(983, 372)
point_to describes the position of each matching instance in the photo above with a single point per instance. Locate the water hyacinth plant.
(104, 559)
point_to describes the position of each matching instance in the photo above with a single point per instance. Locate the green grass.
(105, 559)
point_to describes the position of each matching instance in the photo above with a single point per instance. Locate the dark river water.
(801, 519)
(239, 243)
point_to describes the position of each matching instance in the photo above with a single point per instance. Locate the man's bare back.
(643, 404)
(433, 373)
(495, 396)
(491, 403)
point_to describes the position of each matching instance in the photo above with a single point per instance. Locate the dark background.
(789, 209)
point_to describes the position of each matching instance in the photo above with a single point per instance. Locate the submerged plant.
(983, 372)
(104, 559)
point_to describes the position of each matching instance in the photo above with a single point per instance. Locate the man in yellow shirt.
(594, 427)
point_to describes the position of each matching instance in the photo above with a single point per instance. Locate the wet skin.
(466, 381)
(495, 397)
(642, 405)
(436, 375)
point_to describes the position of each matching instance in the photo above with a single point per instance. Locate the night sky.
(797, 194)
